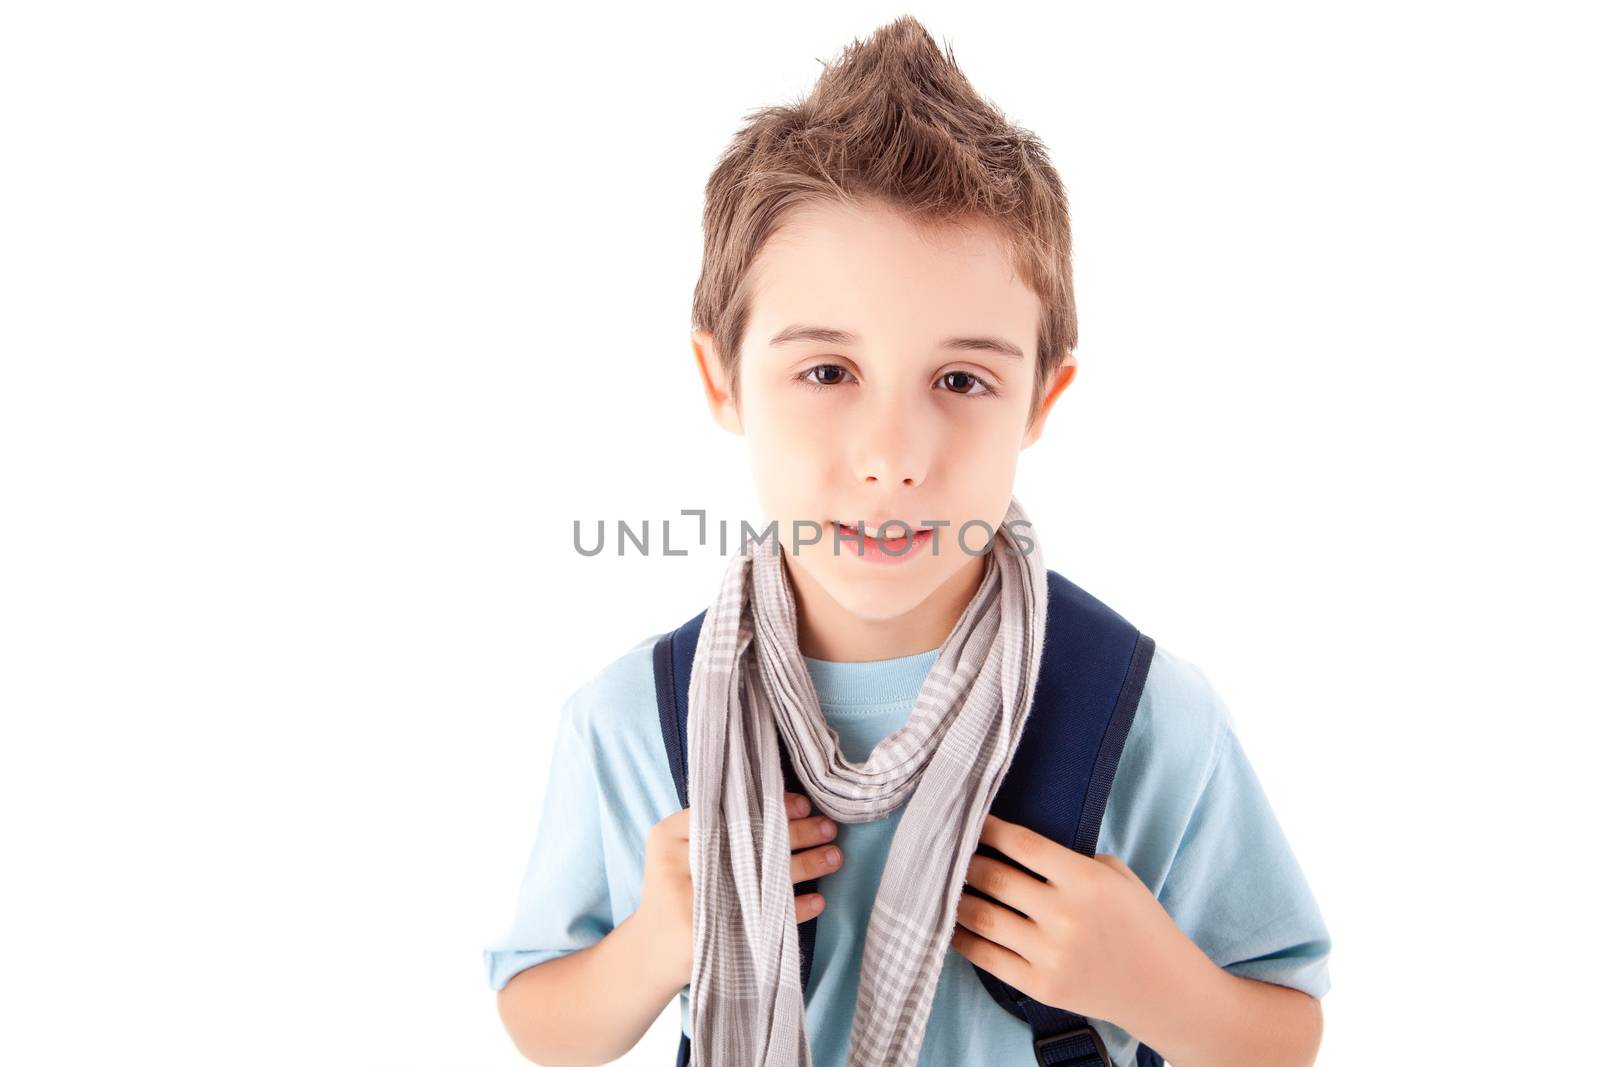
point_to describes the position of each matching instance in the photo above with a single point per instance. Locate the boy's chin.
(870, 592)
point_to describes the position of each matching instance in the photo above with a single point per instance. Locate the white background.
(321, 323)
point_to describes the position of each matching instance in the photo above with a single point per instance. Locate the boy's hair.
(893, 121)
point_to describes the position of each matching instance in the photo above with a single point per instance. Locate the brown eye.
(833, 370)
(963, 383)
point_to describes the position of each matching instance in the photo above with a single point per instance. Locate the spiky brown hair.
(895, 121)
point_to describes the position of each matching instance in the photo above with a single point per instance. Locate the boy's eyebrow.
(827, 336)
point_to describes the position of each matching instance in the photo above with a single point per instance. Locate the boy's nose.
(888, 447)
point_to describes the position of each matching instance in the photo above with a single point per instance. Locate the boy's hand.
(666, 900)
(1092, 939)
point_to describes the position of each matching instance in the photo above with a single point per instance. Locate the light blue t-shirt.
(1186, 814)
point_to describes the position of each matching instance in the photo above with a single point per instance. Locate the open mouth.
(875, 531)
(869, 541)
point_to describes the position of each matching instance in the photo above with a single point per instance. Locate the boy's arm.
(1210, 1018)
(1216, 951)
(1088, 936)
(592, 1005)
(574, 985)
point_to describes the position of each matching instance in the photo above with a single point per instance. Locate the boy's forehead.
(848, 266)
(826, 227)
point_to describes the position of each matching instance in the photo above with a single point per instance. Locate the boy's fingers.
(814, 863)
(803, 833)
(798, 805)
(807, 906)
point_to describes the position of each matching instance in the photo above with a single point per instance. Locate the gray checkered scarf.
(748, 683)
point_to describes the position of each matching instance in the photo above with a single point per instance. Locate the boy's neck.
(827, 631)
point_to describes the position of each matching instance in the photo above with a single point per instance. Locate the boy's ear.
(1058, 384)
(724, 406)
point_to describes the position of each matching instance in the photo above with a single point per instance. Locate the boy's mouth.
(873, 529)
(873, 547)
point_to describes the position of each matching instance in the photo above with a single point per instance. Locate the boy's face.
(896, 423)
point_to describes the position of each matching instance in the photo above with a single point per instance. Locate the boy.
(885, 313)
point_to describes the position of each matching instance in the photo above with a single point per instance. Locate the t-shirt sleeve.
(1235, 886)
(1189, 816)
(564, 902)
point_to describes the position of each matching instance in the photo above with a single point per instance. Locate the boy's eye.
(805, 376)
(967, 380)
(965, 383)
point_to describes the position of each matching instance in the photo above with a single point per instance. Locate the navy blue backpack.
(1093, 670)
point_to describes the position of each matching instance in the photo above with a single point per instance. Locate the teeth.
(872, 531)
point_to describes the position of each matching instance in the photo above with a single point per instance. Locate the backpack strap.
(1092, 673)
